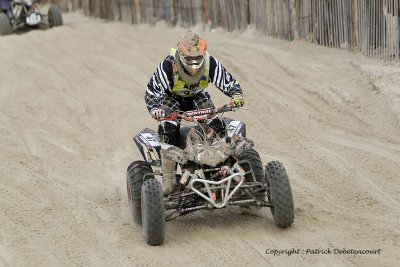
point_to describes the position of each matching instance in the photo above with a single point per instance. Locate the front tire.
(153, 212)
(135, 175)
(249, 160)
(281, 194)
(55, 16)
(5, 25)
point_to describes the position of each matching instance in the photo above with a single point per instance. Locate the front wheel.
(55, 17)
(153, 212)
(251, 163)
(281, 194)
(5, 25)
(135, 175)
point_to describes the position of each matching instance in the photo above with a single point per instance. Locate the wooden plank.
(324, 23)
(379, 23)
(373, 28)
(206, 17)
(397, 9)
(389, 17)
(335, 23)
(314, 14)
(369, 28)
(361, 25)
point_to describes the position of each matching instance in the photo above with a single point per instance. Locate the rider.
(179, 83)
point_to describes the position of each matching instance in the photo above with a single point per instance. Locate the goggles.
(192, 62)
(193, 58)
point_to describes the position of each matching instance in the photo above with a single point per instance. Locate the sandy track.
(71, 99)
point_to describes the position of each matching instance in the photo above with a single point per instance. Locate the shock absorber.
(16, 9)
(240, 170)
(185, 178)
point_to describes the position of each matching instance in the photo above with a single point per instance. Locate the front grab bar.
(227, 195)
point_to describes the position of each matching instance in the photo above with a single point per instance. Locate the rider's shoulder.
(213, 62)
(167, 64)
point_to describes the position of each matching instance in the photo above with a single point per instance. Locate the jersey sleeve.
(222, 79)
(159, 84)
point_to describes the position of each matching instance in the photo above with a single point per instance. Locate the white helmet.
(191, 51)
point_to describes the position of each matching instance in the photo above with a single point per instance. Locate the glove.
(238, 100)
(157, 113)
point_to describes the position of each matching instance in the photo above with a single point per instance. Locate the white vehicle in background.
(17, 14)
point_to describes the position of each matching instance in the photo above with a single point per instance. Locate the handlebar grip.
(172, 117)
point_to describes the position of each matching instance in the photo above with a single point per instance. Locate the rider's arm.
(159, 83)
(222, 79)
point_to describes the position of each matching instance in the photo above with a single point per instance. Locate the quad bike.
(216, 166)
(16, 14)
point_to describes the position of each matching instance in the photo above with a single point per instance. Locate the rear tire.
(55, 16)
(153, 212)
(281, 194)
(5, 25)
(134, 182)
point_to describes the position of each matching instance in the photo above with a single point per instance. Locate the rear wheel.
(153, 212)
(54, 16)
(135, 175)
(281, 194)
(5, 25)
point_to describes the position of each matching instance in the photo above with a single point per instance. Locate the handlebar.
(201, 114)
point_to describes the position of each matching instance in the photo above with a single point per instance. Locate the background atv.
(18, 14)
(216, 167)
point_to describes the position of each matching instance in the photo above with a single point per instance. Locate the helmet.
(191, 52)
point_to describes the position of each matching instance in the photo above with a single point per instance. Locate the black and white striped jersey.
(162, 81)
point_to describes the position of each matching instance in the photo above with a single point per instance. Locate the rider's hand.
(238, 100)
(157, 113)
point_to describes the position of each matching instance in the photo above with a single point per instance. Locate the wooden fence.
(369, 26)
(328, 22)
(379, 28)
(272, 17)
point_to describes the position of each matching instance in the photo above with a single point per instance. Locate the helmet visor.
(193, 62)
